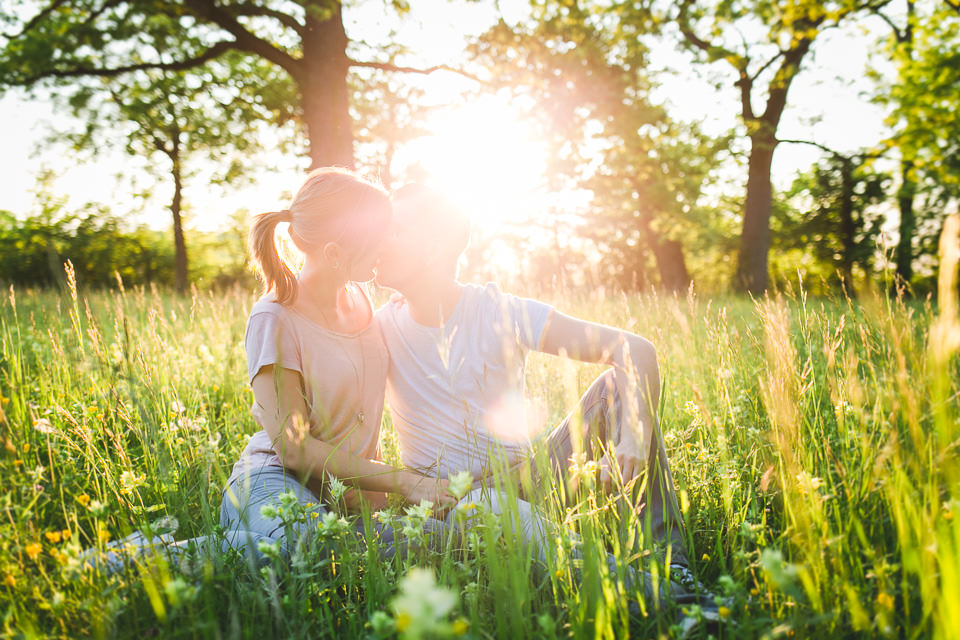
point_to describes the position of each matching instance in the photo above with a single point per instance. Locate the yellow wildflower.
(53, 536)
(33, 550)
(460, 626)
(17, 462)
(403, 621)
(65, 534)
(705, 557)
(10, 581)
(83, 499)
(26, 447)
(885, 600)
(723, 611)
(103, 535)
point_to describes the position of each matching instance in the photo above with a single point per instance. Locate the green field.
(814, 443)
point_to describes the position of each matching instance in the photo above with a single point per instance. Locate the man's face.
(407, 251)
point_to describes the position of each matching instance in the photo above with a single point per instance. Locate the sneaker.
(681, 574)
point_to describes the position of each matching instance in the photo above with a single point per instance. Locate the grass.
(814, 444)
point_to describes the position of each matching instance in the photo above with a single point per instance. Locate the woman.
(317, 363)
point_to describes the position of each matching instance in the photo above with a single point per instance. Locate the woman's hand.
(435, 490)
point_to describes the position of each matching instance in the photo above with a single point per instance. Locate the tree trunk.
(180, 246)
(671, 263)
(847, 225)
(908, 223)
(752, 274)
(324, 90)
(908, 186)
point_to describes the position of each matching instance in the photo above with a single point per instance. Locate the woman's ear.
(333, 254)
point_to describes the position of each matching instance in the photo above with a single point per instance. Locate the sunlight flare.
(485, 158)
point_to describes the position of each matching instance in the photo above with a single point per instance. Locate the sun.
(484, 158)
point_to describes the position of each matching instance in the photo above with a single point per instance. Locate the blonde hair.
(333, 205)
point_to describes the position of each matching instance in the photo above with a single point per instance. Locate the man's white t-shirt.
(456, 392)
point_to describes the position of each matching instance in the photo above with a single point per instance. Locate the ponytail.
(271, 266)
(333, 205)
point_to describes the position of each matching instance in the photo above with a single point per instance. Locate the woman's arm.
(285, 419)
(634, 360)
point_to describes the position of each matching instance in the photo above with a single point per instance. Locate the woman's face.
(361, 262)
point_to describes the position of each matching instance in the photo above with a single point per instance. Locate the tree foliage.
(304, 41)
(831, 216)
(765, 43)
(585, 73)
(33, 249)
(170, 118)
(922, 97)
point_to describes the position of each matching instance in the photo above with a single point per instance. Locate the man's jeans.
(598, 418)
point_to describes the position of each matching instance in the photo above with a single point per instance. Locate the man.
(455, 381)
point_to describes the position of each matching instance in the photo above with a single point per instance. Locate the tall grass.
(814, 444)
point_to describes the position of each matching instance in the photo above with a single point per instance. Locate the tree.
(923, 98)
(585, 72)
(765, 41)
(63, 40)
(175, 116)
(831, 216)
(387, 114)
(35, 246)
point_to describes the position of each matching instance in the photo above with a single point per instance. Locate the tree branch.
(109, 4)
(50, 8)
(713, 51)
(766, 65)
(745, 84)
(285, 19)
(180, 65)
(386, 66)
(871, 155)
(245, 41)
(896, 30)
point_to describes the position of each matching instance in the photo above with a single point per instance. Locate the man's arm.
(634, 360)
(285, 419)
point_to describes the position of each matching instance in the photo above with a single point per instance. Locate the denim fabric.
(598, 419)
(243, 498)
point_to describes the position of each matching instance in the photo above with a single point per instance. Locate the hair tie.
(286, 216)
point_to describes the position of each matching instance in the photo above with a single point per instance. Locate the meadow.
(813, 442)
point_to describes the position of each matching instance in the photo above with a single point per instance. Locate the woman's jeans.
(242, 517)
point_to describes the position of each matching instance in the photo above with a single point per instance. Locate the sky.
(826, 104)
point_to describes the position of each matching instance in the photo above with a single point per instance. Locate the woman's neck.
(322, 296)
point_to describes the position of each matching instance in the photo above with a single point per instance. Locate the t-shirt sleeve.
(525, 318)
(270, 341)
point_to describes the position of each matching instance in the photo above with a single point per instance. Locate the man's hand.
(628, 460)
